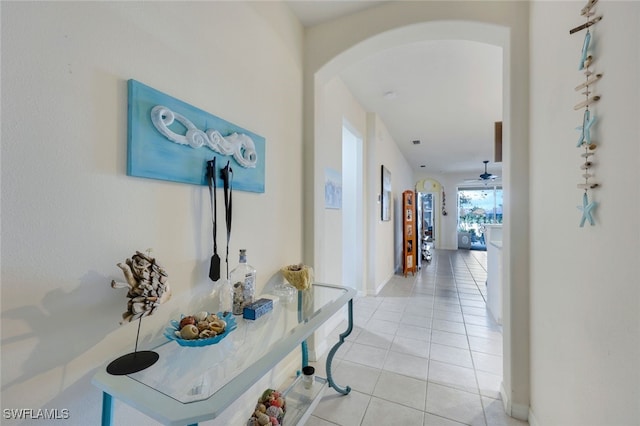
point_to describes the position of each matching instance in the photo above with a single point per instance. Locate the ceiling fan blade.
(486, 176)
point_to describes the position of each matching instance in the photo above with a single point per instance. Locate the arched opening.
(515, 185)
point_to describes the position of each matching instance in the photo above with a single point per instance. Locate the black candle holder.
(134, 361)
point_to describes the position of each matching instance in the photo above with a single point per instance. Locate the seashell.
(202, 325)
(263, 419)
(204, 334)
(137, 307)
(212, 317)
(128, 274)
(274, 411)
(186, 320)
(201, 316)
(217, 327)
(262, 408)
(189, 332)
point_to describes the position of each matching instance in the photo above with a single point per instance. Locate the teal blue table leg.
(305, 350)
(107, 409)
(305, 354)
(333, 351)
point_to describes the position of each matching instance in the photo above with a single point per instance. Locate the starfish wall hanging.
(588, 118)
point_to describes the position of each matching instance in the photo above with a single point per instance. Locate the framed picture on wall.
(385, 194)
(332, 189)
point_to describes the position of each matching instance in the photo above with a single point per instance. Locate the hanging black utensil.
(214, 268)
(227, 178)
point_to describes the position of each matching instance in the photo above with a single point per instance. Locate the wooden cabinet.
(409, 248)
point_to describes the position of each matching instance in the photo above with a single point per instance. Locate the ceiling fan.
(484, 177)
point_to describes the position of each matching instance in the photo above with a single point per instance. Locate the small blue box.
(257, 309)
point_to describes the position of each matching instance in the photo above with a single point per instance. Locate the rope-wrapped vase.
(299, 276)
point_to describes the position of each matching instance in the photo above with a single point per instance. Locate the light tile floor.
(424, 352)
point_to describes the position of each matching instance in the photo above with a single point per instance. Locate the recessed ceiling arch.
(434, 30)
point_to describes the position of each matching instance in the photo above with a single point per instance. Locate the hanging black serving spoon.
(214, 268)
(227, 178)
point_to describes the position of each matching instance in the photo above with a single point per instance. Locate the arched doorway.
(325, 59)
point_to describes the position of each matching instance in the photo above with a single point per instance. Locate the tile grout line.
(433, 310)
(473, 362)
(421, 283)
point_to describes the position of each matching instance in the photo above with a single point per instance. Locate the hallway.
(424, 352)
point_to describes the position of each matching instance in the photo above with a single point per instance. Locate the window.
(478, 207)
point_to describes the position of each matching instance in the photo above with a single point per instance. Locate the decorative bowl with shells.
(203, 339)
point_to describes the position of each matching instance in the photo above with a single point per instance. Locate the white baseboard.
(532, 419)
(375, 291)
(517, 411)
(520, 412)
(506, 403)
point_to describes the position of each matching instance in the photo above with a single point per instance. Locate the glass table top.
(190, 374)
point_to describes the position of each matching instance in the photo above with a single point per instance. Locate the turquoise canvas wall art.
(169, 139)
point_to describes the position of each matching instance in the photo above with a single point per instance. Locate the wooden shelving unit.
(409, 248)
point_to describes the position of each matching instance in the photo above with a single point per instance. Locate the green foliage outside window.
(478, 207)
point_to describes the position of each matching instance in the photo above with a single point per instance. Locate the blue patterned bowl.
(173, 332)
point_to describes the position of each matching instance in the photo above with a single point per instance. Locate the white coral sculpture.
(147, 283)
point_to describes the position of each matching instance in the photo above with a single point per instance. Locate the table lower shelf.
(301, 401)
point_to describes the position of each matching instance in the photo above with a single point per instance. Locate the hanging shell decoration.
(147, 283)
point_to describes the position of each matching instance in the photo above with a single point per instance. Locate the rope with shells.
(588, 119)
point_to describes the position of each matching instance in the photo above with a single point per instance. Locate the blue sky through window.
(482, 198)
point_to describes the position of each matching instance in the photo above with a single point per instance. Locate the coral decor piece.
(147, 283)
(300, 276)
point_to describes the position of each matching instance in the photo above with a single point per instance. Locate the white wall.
(388, 235)
(585, 321)
(337, 105)
(70, 213)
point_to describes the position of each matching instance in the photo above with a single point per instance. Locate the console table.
(188, 385)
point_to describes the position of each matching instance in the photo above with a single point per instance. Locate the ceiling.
(447, 94)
